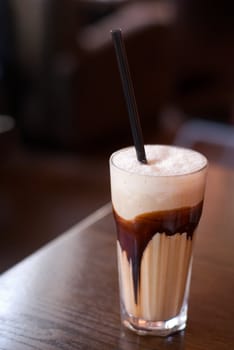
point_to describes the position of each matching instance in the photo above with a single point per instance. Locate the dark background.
(62, 110)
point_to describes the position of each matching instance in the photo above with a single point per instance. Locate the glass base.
(156, 328)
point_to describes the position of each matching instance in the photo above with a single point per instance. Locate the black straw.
(129, 94)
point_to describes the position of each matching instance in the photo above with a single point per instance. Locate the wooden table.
(65, 296)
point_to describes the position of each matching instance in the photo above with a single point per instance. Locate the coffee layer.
(134, 235)
(164, 275)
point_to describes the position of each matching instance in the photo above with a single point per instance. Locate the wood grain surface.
(65, 296)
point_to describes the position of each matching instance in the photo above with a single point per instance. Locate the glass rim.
(200, 169)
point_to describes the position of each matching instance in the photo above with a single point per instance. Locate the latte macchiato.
(157, 207)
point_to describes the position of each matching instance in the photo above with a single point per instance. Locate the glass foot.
(157, 328)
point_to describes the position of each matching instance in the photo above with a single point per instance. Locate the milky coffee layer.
(170, 180)
(159, 298)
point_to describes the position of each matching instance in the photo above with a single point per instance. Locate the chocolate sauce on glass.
(134, 235)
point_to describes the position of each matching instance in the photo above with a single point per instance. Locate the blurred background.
(62, 110)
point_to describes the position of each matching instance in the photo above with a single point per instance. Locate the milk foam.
(162, 160)
(170, 180)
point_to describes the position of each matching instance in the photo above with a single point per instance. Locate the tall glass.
(156, 218)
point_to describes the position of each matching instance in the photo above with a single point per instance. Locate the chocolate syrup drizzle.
(134, 235)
